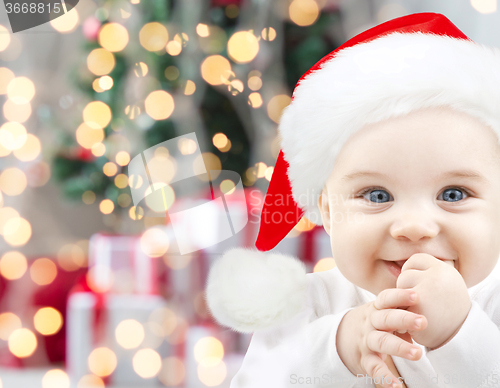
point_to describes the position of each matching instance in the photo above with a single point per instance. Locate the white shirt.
(302, 353)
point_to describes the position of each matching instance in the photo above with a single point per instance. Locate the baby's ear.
(324, 209)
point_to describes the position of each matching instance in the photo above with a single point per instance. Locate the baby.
(391, 143)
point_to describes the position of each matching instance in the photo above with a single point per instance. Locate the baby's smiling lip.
(400, 263)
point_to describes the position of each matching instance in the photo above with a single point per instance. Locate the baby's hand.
(366, 334)
(443, 297)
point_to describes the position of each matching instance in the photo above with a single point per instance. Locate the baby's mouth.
(400, 263)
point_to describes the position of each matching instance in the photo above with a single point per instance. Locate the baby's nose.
(414, 227)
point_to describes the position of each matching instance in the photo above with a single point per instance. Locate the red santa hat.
(409, 63)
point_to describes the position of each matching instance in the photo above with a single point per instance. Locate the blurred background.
(94, 290)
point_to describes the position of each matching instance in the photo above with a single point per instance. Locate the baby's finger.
(397, 320)
(379, 371)
(392, 298)
(387, 343)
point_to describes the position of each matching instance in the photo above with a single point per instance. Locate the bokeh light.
(172, 372)
(22, 343)
(216, 70)
(159, 105)
(21, 90)
(254, 83)
(110, 169)
(187, 146)
(100, 271)
(88, 197)
(88, 136)
(182, 39)
(261, 169)
(303, 12)
(100, 61)
(67, 22)
(13, 265)
(146, 363)
(207, 161)
(153, 36)
(132, 111)
(268, 34)
(304, 225)
(255, 100)
(97, 114)
(154, 242)
(162, 168)
(276, 105)
(227, 186)
(121, 181)
(29, 150)
(190, 88)
(106, 206)
(6, 75)
(6, 214)
(269, 173)
(98, 149)
(484, 6)
(141, 69)
(202, 30)
(174, 48)
(48, 321)
(17, 231)
(13, 135)
(102, 361)
(13, 181)
(172, 73)
(129, 334)
(242, 47)
(90, 381)
(324, 264)
(135, 181)
(17, 112)
(55, 378)
(212, 375)
(220, 140)
(71, 257)
(122, 158)
(113, 37)
(4, 38)
(136, 213)
(105, 82)
(124, 200)
(162, 198)
(208, 351)
(235, 87)
(43, 271)
(8, 323)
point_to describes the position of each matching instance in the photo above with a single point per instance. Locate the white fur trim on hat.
(249, 290)
(374, 81)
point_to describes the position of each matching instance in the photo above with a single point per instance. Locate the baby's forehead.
(440, 135)
(434, 123)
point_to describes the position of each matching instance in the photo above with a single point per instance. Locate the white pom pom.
(249, 290)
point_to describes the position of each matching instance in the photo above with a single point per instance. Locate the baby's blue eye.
(453, 195)
(377, 195)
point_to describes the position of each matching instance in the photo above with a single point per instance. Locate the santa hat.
(412, 62)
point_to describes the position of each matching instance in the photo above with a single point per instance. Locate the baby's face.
(428, 182)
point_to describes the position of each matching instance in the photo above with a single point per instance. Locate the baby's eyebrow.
(362, 174)
(469, 174)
